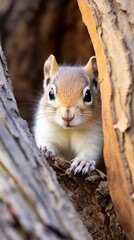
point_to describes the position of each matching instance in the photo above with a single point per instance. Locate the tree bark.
(111, 27)
(32, 204)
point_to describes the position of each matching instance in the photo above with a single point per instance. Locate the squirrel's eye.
(51, 95)
(87, 96)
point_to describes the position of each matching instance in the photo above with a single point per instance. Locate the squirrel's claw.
(82, 166)
(48, 153)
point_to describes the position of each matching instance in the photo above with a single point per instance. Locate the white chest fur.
(69, 143)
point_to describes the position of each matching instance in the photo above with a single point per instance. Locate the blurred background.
(30, 31)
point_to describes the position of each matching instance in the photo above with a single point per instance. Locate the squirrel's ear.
(91, 68)
(50, 66)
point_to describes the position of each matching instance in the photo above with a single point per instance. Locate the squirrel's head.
(71, 94)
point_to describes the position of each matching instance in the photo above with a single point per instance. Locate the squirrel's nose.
(68, 118)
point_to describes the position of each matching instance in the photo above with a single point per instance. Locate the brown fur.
(68, 94)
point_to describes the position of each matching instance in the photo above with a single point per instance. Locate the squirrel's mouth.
(69, 126)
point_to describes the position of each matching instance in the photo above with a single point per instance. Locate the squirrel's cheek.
(58, 119)
(78, 120)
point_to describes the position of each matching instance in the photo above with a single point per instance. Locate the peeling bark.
(110, 26)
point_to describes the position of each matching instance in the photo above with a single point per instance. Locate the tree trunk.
(32, 204)
(111, 27)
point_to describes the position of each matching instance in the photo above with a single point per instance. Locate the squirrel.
(68, 118)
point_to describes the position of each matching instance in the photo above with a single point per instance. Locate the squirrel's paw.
(82, 166)
(47, 152)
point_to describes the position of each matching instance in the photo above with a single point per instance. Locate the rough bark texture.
(90, 197)
(32, 204)
(33, 30)
(111, 27)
